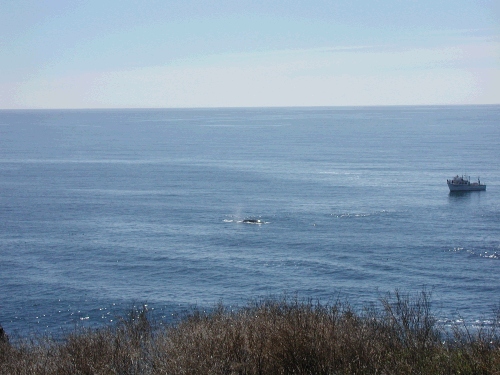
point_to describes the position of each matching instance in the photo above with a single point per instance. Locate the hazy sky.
(108, 54)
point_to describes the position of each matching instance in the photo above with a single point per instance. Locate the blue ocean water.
(104, 209)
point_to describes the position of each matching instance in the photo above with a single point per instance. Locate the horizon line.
(251, 107)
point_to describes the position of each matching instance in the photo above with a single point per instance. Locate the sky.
(194, 53)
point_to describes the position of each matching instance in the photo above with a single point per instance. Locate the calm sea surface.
(104, 209)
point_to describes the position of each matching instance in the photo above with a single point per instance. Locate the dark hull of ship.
(464, 187)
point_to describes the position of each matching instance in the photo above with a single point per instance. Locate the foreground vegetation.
(288, 336)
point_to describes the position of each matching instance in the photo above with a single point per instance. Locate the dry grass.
(287, 336)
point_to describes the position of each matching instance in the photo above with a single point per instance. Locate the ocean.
(103, 210)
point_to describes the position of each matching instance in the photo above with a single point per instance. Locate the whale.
(252, 221)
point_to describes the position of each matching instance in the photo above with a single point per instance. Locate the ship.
(463, 184)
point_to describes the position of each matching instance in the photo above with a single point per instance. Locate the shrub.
(282, 336)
